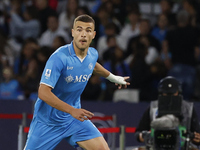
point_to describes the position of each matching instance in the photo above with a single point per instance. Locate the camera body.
(167, 132)
(166, 139)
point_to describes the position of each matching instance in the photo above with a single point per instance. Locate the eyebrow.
(81, 27)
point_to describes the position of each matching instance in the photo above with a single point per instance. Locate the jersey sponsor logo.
(81, 78)
(90, 66)
(69, 68)
(48, 72)
(69, 79)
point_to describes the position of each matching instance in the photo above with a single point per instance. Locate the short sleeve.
(52, 71)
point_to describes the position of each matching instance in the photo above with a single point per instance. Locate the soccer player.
(58, 114)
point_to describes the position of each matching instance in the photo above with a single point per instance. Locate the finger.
(119, 86)
(80, 119)
(125, 78)
(83, 118)
(196, 140)
(88, 114)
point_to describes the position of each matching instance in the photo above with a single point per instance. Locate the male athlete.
(58, 114)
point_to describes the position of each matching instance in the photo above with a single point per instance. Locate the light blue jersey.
(68, 76)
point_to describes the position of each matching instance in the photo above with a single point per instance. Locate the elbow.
(40, 94)
(43, 92)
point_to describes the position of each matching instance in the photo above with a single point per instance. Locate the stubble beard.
(82, 49)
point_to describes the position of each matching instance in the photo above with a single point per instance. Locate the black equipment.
(170, 105)
(169, 85)
(166, 139)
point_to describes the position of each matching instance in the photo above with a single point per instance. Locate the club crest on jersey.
(90, 66)
(48, 72)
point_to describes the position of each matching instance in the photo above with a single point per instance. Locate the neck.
(80, 53)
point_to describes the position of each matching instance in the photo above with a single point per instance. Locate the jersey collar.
(72, 51)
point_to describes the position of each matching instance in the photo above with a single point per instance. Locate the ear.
(72, 32)
(94, 34)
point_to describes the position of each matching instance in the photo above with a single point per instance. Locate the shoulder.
(62, 52)
(154, 103)
(62, 15)
(186, 103)
(92, 51)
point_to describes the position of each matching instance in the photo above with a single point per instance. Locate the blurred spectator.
(4, 22)
(10, 87)
(53, 31)
(23, 29)
(142, 75)
(131, 29)
(66, 17)
(182, 43)
(96, 6)
(145, 29)
(119, 10)
(58, 42)
(104, 18)
(26, 67)
(160, 29)
(93, 89)
(114, 62)
(193, 8)
(110, 30)
(7, 52)
(53, 4)
(152, 54)
(42, 55)
(44, 11)
(166, 8)
(1, 65)
(113, 14)
(17, 5)
(83, 10)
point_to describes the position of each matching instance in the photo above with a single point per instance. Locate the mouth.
(83, 41)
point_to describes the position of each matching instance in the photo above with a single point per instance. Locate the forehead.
(84, 25)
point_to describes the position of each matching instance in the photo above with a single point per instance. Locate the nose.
(83, 34)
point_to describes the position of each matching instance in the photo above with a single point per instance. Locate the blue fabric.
(159, 34)
(46, 137)
(10, 90)
(68, 76)
(186, 75)
(118, 68)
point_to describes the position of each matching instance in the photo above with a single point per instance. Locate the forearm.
(139, 137)
(101, 71)
(47, 96)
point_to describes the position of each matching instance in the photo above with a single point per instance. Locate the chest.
(76, 71)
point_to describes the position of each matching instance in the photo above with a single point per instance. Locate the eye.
(79, 30)
(88, 30)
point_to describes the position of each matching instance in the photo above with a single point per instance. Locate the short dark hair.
(84, 18)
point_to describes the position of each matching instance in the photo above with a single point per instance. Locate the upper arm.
(43, 90)
(195, 122)
(145, 121)
(52, 71)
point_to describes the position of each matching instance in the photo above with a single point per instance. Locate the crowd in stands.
(129, 42)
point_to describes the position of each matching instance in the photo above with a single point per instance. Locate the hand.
(81, 114)
(123, 86)
(196, 137)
